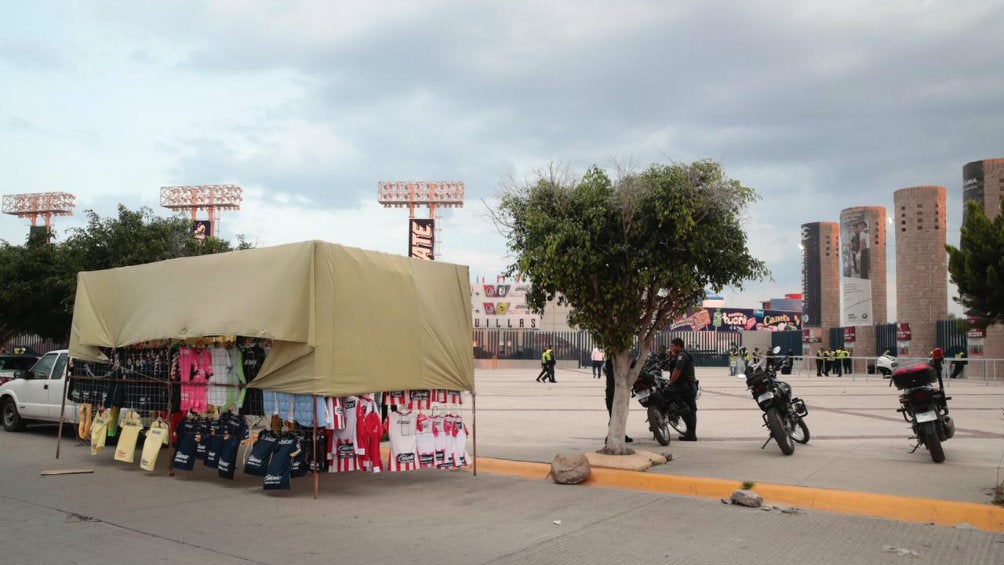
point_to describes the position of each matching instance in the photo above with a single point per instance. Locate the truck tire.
(12, 421)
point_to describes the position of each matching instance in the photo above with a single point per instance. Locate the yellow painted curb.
(910, 509)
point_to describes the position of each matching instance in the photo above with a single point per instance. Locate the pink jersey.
(401, 427)
(194, 366)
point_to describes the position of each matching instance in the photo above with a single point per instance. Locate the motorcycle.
(783, 414)
(924, 407)
(665, 408)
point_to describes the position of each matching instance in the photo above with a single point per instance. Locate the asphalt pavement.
(120, 514)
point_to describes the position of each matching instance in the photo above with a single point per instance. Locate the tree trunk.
(624, 377)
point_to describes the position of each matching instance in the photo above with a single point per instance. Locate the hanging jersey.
(401, 427)
(261, 453)
(420, 399)
(369, 429)
(438, 395)
(336, 415)
(158, 435)
(460, 456)
(395, 398)
(425, 442)
(281, 463)
(219, 392)
(304, 408)
(99, 431)
(184, 453)
(126, 448)
(344, 456)
(455, 397)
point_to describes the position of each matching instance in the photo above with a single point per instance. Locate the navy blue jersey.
(281, 464)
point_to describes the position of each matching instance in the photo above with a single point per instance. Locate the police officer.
(684, 383)
(820, 354)
(959, 364)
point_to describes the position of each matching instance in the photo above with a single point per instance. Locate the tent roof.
(343, 320)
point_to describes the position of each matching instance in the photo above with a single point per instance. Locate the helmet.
(937, 354)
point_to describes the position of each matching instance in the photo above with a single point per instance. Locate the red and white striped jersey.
(401, 428)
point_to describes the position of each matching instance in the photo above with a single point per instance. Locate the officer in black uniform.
(684, 383)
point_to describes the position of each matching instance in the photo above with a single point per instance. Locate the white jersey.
(401, 427)
(425, 442)
(223, 374)
(456, 441)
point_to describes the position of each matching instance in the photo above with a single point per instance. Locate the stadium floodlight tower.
(435, 195)
(209, 197)
(45, 204)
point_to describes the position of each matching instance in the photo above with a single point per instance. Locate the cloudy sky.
(308, 105)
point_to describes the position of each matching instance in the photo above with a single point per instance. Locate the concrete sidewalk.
(119, 514)
(858, 440)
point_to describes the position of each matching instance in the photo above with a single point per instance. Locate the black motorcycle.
(924, 407)
(783, 414)
(665, 407)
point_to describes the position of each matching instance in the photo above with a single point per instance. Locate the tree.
(628, 256)
(977, 266)
(38, 281)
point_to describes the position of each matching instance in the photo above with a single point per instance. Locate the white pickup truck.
(37, 393)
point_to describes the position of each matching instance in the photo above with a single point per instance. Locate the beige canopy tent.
(343, 320)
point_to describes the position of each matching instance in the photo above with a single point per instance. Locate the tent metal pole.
(474, 428)
(62, 407)
(314, 452)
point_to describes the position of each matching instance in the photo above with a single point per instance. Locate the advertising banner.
(972, 186)
(421, 238)
(812, 304)
(502, 305)
(855, 263)
(738, 319)
(850, 334)
(201, 229)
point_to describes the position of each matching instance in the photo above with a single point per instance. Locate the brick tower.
(921, 263)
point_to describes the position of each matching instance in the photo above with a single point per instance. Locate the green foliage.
(977, 266)
(631, 255)
(38, 280)
(748, 485)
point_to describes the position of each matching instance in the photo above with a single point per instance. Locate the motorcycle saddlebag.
(913, 376)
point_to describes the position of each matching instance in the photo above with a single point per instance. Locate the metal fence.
(32, 344)
(709, 348)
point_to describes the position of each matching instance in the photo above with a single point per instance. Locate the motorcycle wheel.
(800, 432)
(657, 424)
(779, 432)
(929, 435)
(678, 424)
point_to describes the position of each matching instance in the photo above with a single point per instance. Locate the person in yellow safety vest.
(958, 364)
(746, 356)
(820, 358)
(733, 361)
(848, 364)
(829, 362)
(837, 362)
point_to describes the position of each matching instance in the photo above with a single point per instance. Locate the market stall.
(341, 321)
